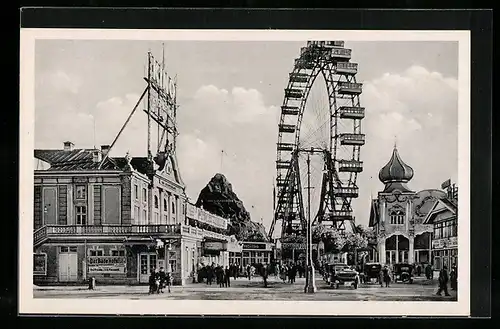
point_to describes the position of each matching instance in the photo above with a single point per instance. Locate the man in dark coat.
(443, 282)
(453, 278)
(265, 274)
(227, 277)
(386, 275)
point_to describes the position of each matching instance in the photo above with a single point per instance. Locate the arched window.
(156, 202)
(397, 215)
(165, 204)
(173, 207)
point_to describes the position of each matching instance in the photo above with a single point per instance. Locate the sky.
(230, 95)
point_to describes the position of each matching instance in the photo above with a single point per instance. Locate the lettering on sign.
(214, 246)
(254, 246)
(292, 245)
(107, 264)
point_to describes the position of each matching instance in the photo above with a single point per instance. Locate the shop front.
(215, 252)
(256, 253)
(445, 253)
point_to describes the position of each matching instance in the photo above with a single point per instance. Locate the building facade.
(443, 218)
(116, 219)
(397, 216)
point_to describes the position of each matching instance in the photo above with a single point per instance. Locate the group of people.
(222, 276)
(158, 280)
(288, 272)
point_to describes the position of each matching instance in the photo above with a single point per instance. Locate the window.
(68, 249)
(172, 260)
(118, 253)
(81, 192)
(144, 217)
(165, 204)
(136, 214)
(81, 215)
(156, 202)
(144, 195)
(136, 191)
(173, 207)
(397, 216)
(96, 252)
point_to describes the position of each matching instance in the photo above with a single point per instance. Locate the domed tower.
(395, 174)
(392, 212)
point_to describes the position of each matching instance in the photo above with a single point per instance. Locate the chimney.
(96, 156)
(104, 150)
(68, 146)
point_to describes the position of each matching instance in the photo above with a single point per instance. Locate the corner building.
(116, 220)
(398, 216)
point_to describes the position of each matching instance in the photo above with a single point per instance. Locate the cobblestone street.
(243, 289)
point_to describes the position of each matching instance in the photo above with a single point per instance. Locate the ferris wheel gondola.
(331, 130)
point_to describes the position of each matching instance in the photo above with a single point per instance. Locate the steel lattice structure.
(339, 147)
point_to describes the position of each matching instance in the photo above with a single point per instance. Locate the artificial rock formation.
(219, 198)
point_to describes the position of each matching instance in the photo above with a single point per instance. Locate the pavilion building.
(397, 216)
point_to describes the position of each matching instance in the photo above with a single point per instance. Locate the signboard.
(445, 243)
(216, 246)
(191, 211)
(107, 264)
(39, 264)
(254, 246)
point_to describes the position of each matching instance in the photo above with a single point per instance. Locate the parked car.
(403, 272)
(343, 275)
(371, 272)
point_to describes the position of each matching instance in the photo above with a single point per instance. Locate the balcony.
(290, 110)
(294, 93)
(299, 77)
(350, 88)
(347, 192)
(88, 231)
(347, 68)
(351, 112)
(304, 64)
(286, 128)
(79, 231)
(285, 146)
(339, 215)
(352, 139)
(282, 164)
(350, 166)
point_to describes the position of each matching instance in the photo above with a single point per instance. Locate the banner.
(107, 264)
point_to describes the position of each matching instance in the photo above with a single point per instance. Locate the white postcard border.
(28, 304)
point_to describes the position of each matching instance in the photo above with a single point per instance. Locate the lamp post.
(310, 279)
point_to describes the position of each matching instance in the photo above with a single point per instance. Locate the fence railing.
(120, 230)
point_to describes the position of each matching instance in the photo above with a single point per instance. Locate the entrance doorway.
(68, 265)
(147, 262)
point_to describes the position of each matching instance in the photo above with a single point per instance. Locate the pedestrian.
(210, 274)
(453, 278)
(162, 276)
(387, 277)
(227, 277)
(419, 270)
(428, 272)
(168, 278)
(381, 277)
(249, 273)
(265, 273)
(443, 282)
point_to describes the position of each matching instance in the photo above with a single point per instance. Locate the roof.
(77, 159)
(82, 159)
(448, 205)
(395, 170)
(374, 213)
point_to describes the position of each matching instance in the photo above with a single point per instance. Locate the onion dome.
(395, 173)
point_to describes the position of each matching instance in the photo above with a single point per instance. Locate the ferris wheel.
(320, 125)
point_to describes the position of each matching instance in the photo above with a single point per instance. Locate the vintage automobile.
(402, 272)
(371, 272)
(342, 274)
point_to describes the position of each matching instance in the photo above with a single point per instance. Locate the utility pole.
(310, 280)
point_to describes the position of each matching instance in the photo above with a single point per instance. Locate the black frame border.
(478, 22)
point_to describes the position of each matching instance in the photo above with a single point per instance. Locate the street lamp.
(310, 279)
